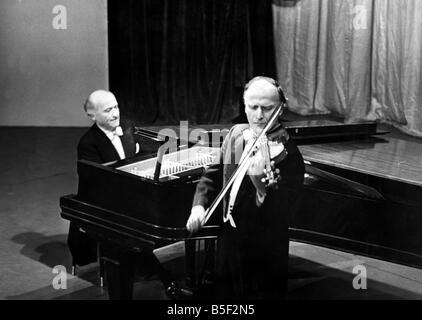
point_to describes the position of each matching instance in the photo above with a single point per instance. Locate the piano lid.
(301, 131)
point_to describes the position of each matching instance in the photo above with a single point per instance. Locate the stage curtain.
(173, 60)
(359, 59)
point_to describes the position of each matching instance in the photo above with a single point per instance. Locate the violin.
(271, 151)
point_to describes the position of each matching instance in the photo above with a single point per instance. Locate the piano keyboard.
(174, 163)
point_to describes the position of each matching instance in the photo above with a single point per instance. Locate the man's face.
(261, 99)
(107, 114)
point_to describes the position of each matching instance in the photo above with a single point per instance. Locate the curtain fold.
(359, 59)
(397, 64)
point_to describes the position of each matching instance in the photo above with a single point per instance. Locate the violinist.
(261, 170)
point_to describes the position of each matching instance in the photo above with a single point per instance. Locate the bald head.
(261, 89)
(98, 98)
(261, 97)
(101, 106)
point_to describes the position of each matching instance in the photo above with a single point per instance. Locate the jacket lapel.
(109, 151)
(105, 147)
(128, 142)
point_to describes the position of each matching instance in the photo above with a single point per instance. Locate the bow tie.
(118, 131)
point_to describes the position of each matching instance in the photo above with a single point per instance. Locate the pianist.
(108, 139)
(253, 248)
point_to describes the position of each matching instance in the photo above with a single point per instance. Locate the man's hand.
(256, 172)
(266, 178)
(196, 219)
(272, 177)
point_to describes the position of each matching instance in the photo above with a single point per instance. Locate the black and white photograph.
(211, 158)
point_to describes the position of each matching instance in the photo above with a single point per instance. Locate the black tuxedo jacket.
(95, 146)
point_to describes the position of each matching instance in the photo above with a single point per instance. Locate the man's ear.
(91, 116)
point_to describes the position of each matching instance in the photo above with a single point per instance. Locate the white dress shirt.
(249, 137)
(114, 137)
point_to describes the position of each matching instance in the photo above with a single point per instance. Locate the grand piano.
(376, 208)
(144, 202)
(128, 206)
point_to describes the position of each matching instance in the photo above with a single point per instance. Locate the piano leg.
(199, 271)
(209, 264)
(190, 262)
(120, 277)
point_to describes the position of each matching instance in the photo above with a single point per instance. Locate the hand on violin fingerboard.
(272, 177)
(256, 171)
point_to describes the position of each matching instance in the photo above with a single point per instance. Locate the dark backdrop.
(172, 60)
